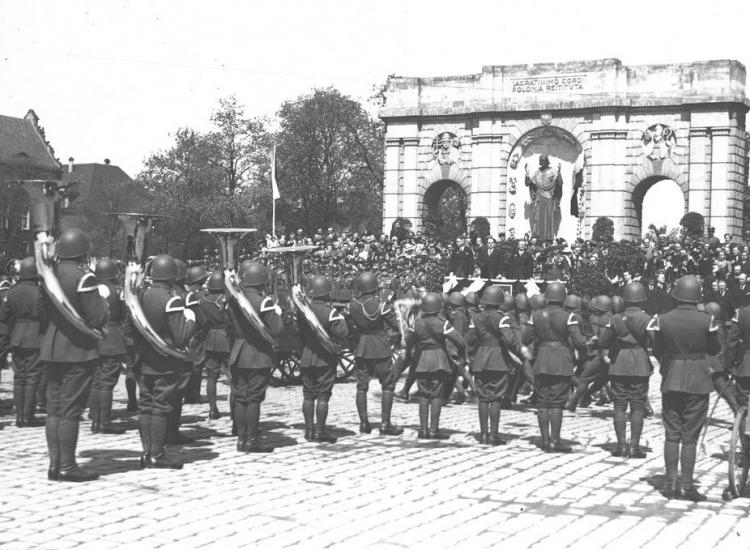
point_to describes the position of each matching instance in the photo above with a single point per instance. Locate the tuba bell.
(137, 227)
(229, 238)
(294, 256)
(44, 196)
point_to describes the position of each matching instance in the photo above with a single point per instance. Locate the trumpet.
(229, 238)
(294, 256)
(137, 227)
(44, 196)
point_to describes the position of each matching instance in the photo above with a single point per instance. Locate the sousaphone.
(229, 238)
(44, 196)
(137, 227)
(294, 256)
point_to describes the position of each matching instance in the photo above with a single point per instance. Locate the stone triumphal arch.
(611, 134)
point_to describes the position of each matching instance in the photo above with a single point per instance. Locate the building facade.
(610, 133)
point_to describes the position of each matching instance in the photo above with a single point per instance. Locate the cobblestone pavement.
(365, 491)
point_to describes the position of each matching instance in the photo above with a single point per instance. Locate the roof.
(84, 177)
(22, 142)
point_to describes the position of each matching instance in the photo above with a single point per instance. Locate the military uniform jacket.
(459, 318)
(166, 313)
(597, 323)
(738, 343)
(494, 334)
(62, 342)
(370, 318)
(314, 354)
(192, 301)
(250, 350)
(555, 332)
(25, 315)
(113, 343)
(427, 341)
(682, 339)
(628, 331)
(213, 312)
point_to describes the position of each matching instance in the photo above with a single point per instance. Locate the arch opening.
(445, 210)
(659, 204)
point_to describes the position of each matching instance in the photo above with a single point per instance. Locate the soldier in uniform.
(738, 358)
(112, 351)
(493, 332)
(317, 364)
(720, 363)
(70, 355)
(631, 367)
(160, 374)
(682, 339)
(370, 318)
(25, 317)
(174, 419)
(252, 358)
(213, 308)
(455, 311)
(427, 343)
(525, 373)
(196, 276)
(555, 332)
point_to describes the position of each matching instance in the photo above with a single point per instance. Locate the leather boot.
(364, 423)
(620, 427)
(671, 488)
(157, 458)
(308, 412)
(484, 415)
(69, 470)
(253, 421)
(29, 406)
(163, 462)
(130, 387)
(53, 446)
(321, 413)
(254, 445)
(495, 438)
(18, 401)
(144, 430)
(556, 445)
(424, 418)
(542, 416)
(77, 474)
(94, 411)
(174, 435)
(105, 414)
(211, 393)
(435, 406)
(386, 404)
(636, 427)
(687, 464)
(240, 423)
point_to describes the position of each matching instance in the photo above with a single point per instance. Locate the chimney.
(106, 161)
(70, 165)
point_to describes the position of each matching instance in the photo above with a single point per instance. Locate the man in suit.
(462, 259)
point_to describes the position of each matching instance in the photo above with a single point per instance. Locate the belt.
(552, 345)
(687, 356)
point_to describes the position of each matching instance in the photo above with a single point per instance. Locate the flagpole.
(273, 192)
(273, 218)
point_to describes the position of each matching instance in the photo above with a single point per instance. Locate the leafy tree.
(401, 228)
(481, 226)
(448, 220)
(693, 224)
(330, 163)
(603, 230)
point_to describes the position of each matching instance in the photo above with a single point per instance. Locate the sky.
(115, 79)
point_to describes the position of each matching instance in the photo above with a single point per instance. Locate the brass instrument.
(43, 195)
(229, 238)
(294, 256)
(137, 227)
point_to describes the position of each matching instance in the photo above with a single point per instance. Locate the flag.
(274, 183)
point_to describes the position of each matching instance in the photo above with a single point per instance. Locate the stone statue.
(445, 149)
(512, 211)
(545, 189)
(658, 141)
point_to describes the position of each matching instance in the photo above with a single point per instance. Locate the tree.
(401, 228)
(214, 179)
(693, 224)
(603, 230)
(482, 227)
(448, 220)
(330, 163)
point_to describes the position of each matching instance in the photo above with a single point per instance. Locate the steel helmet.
(456, 299)
(27, 269)
(573, 302)
(712, 308)
(106, 270)
(432, 302)
(618, 304)
(634, 293)
(73, 243)
(701, 307)
(538, 301)
(687, 289)
(555, 293)
(196, 275)
(181, 271)
(216, 281)
(366, 282)
(509, 304)
(522, 302)
(493, 296)
(601, 303)
(254, 274)
(163, 268)
(472, 298)
(320, 286)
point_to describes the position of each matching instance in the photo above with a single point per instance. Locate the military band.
(489, 344)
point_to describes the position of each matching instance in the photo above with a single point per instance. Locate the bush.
(481, 226)
(693, 224)
(603, 230)
(588, 280)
